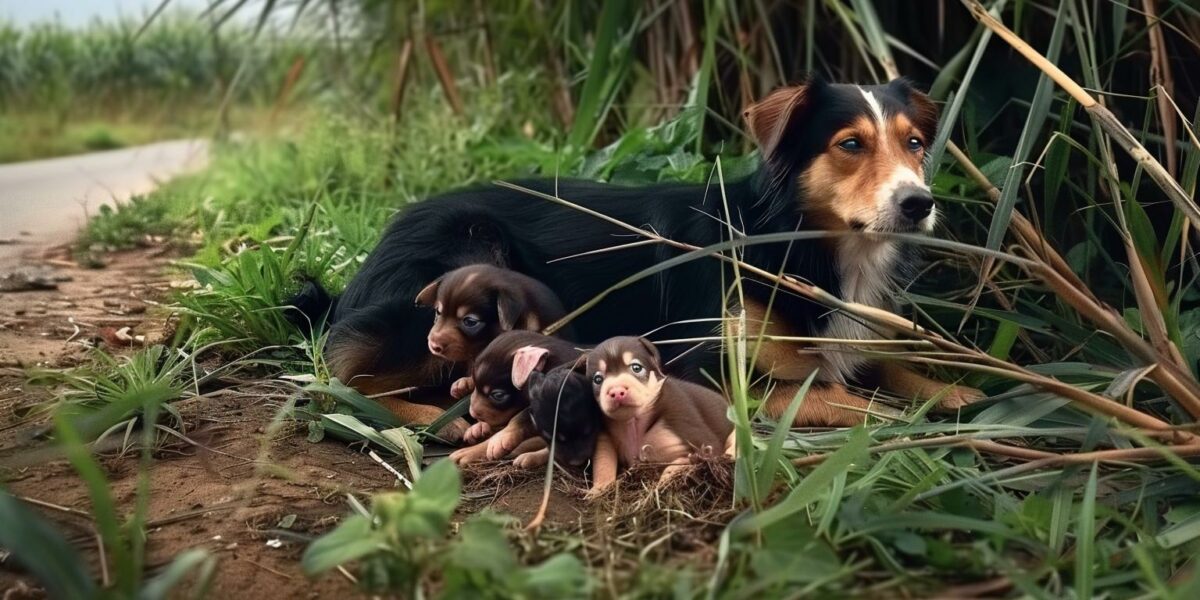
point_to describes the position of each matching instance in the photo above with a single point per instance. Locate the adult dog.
(835, 157)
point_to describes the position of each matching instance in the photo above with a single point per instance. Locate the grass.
(1044, 490)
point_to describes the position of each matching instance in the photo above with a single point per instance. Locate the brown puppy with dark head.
(497, 402)
(474, 304)
(648, 417)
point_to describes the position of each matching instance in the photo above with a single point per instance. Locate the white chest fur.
(865, 267)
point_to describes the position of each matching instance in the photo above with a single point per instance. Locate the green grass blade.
(1084, 539)
(1038, 112)
(812, 486)
(769, 461)
(43, 551)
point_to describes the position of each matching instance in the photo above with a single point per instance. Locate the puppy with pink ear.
(497, 400)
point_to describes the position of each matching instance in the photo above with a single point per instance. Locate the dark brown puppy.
(648, 417)
(474, 304)
(563, 411)
(496, 398)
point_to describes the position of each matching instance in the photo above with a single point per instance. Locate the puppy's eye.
(499, 396)
(636, 368)
(850, 145)
(471, 323)
(597, 379)
(915, 144)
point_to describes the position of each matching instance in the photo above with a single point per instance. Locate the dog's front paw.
(454, 431)
(502, 443)
(462, 388)
(477, 433)
(468, 455)
(959, 396)
(597, 491)
(532, 460)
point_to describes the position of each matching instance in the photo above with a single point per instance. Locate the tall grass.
(1044, 490)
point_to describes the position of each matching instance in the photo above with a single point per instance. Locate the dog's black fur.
(521, 232)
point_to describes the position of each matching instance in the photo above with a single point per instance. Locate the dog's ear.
(428, 295)
(526, 361)
(654, 355)
(924, 112)
(770, 119)
(512, 312)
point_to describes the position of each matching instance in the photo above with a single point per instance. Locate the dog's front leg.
(900, 380)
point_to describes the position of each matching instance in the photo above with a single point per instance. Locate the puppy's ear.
(653, 351)
(770, 119)
(428, 295)
(526, 361)
(512, 312)
(923, 111)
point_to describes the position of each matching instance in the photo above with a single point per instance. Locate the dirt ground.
(225, 487)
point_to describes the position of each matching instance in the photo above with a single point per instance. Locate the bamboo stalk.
(1101, 115)
(401, 83)
(445, 76)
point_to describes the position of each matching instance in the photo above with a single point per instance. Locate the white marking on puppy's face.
(876, 109)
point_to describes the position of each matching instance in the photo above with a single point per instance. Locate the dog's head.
(856, 153)
(501, 370)
(564, 410)
(474, 304)
(627, 376)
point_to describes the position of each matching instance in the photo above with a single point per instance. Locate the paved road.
(46, 201)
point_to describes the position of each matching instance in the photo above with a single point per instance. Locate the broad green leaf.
(353, 539)
(43, 551)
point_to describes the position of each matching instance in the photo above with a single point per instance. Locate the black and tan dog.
(837, 158)
(497, 400)
(649, 417)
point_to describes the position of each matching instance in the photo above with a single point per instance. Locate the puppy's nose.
(435, 347)
(618, 392)
(474, 415)
(915, 204)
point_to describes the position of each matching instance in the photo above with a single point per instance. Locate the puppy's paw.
(462, 388)
(468, 455)
(532, 460)
(477, 433)
(959, 396)
(502, 443)
(597, 491)
(454, 431)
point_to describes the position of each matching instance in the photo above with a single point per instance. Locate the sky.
(73, 13)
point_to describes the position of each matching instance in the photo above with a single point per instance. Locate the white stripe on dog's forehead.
(876, 108)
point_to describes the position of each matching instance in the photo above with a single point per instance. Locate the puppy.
(496, 398)
(648, 417)
(474, 304)
(562, 410)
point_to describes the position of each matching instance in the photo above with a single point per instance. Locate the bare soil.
(230, 483)
(225, 484)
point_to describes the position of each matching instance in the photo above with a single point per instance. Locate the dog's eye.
(636, 368)
(471, 322)
(915, 144)
(499, 396)
(597, 379)
(850, 145)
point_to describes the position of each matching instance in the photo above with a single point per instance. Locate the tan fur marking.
(844, 189)
(627, 358)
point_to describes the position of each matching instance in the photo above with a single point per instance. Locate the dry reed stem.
(1039, 458)
(445, 76)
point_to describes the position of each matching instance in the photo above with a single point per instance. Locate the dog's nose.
(916, 204)
(618, 392)
(474, 415)
(435, 347)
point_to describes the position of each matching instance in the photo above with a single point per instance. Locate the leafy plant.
(400, 544)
